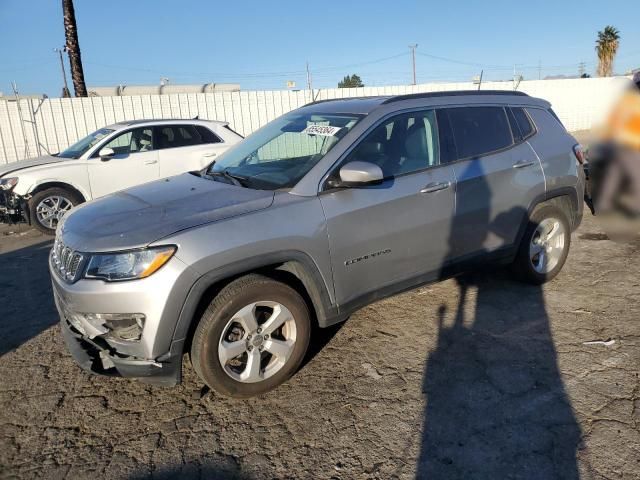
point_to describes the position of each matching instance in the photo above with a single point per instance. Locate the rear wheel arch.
(564, 199)
(568, 202)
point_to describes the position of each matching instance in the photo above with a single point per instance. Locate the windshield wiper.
(237, 180)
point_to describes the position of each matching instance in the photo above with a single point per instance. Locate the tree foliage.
(606, 47)
(351, 81)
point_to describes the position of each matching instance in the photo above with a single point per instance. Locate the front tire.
(252, 337)
(46, 208)
(544, 247)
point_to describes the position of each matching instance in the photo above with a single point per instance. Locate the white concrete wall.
(59, 122)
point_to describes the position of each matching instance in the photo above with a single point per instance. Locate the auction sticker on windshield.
(323, 130)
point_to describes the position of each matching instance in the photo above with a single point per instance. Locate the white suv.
(119, 156)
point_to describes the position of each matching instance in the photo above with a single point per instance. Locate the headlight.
(8, 183)
(113, 267)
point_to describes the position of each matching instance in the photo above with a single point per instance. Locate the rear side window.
(515, 129)
(523, 122)
(207, 135)
(479, 130)
(172, 136)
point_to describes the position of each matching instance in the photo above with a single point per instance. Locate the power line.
(461, 62)
(361, 64)
(246, 75)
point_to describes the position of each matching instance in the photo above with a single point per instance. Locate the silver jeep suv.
(322, 211)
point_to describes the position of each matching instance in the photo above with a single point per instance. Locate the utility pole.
(65, 92)
(413, 60)
(581, 69)
(24, 133)
(309, 84)
(539, 69)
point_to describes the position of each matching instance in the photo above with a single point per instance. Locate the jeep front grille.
(66, 262)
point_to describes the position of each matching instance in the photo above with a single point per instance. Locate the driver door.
(135, 162)
(397, 231)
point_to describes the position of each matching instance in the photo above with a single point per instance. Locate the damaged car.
(42, 190)
(319, 213)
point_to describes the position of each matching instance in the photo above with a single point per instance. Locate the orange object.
(623, 126)
(160, 259)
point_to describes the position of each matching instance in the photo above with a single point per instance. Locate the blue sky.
(262, 44)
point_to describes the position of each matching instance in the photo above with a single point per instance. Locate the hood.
(32, 162)
(140, 215)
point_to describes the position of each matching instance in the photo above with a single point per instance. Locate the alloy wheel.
(51, 209)
(257, 341)
(547, 245)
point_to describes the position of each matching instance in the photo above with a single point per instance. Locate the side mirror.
(106, 153)
(355, 174)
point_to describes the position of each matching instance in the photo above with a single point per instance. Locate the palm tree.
(73, 48)
(606, 47)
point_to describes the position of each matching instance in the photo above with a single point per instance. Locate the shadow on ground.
(210, 470)
(496, 406)
(25, 295)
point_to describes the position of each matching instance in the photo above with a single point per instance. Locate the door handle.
(150, 162)
(434, 187)
(209, 155)
(523, 164)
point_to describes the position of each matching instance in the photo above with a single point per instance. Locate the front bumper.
(157, 357)
(98, 358)
(96, 355)
(13, 208)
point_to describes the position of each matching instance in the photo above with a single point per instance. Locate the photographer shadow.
(496, 405)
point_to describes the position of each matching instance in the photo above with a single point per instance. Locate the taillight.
(577, 151)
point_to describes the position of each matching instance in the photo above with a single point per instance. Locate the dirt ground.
(479, 377)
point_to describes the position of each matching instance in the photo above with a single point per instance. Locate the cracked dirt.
(479, 377)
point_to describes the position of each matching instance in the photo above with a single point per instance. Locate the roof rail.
(346, 99)
(453, 93)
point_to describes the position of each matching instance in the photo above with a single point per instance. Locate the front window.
(281, 153)
(81, 147)
(405, 143)
(134, 141)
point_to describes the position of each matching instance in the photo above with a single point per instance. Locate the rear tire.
(252, 337)
(544, 246)
(47, 207)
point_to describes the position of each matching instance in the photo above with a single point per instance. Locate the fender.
(295, 262)
(42, 184)
(549, 197)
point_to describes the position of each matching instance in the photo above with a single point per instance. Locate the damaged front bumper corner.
(97, 356)
(13, 208)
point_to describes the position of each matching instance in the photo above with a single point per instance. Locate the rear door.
(497, 174)
(383, 234)
(135, 162)
(184, 147)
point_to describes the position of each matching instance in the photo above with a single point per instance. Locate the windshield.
(282, 152)
(79, 148)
